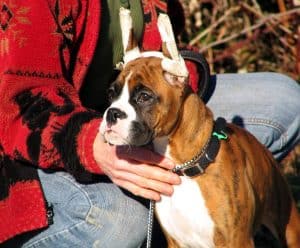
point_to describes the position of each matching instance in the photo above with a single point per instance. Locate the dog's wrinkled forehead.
(140, 84)
(143, 70)
(138, 74)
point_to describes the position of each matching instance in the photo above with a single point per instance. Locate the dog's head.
(146, 97)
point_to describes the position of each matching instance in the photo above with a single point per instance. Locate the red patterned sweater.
(46, 47)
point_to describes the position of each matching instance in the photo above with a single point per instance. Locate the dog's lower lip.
(109, 131)
(108, 128)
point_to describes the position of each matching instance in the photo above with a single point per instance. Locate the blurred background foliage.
(245, 36)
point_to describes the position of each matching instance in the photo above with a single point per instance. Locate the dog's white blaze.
(123, 104)
(184, 215)
(123, 125)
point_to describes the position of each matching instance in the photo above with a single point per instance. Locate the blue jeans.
(89, 215)
(266, 104)
(101, 215)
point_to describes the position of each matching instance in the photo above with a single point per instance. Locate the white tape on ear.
(127, 34)
(131, 55)
(126, 26)
(176, 65)
(175, 80)
(167, 35)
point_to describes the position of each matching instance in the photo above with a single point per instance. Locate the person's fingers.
(146, 171)
(146, 183)
(138, 170)
(144, 155)
(153, 172)
(136, 190)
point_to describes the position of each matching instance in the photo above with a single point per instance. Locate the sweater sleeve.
(42, 121)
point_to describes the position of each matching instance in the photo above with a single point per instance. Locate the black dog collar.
(208, 153)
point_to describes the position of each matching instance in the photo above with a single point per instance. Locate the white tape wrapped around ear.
(175, 64)
(130, 53)
(177, 68)
(167, 35)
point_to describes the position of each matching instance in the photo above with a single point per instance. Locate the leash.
(150, 223)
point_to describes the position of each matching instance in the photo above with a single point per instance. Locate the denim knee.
(122, 220)
(279, 139)
(266, 104)
(279, 129)
(95, 215)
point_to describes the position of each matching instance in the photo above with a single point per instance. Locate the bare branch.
(251, 28)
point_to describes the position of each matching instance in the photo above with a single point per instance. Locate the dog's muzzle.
(118, 129)
(113, 114)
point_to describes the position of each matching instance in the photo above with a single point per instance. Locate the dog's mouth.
(114, 138)
(138, 135)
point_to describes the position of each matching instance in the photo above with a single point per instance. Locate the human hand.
(136, 169)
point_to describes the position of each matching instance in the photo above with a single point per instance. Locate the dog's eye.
(143, 97)
(113, 91)
(110, 94)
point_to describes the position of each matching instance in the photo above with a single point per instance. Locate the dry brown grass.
(245, 36)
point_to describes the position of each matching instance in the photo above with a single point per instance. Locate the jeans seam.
(91, 205)
(85, 221)
(55, 234)
(81, 189)
(269, 123)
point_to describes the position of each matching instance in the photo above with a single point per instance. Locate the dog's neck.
(191, 133)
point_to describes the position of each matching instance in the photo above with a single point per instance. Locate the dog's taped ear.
(175, 80)
(169, 47)
(130, 45)
(172, 62)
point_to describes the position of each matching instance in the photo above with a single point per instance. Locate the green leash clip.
(221, 135)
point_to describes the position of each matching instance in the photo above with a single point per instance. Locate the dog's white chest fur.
(184, 215)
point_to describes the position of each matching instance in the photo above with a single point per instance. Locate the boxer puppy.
(230, 182)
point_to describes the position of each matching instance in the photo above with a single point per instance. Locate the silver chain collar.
(193, 161)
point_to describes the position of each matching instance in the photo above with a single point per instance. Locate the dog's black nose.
(113, 114)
